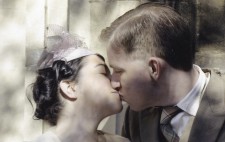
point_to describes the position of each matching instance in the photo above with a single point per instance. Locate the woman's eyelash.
(116, 71)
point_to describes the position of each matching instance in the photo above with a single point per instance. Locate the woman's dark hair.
(46, 88)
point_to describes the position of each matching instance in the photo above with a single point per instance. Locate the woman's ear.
(68, 90)
(154, 67)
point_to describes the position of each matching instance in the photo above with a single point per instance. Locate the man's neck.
(178, 83)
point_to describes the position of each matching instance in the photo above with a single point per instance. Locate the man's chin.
(138, 109)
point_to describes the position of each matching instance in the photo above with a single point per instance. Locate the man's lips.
(117, 93)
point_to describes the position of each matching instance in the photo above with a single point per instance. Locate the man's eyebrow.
(114, 67)
(111, 66)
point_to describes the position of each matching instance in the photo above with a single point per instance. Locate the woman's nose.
(116, 85)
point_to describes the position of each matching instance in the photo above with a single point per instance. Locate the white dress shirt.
(190, 103)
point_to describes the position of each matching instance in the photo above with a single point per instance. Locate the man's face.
(131, 78)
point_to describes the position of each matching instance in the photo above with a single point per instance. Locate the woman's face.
(95, 87)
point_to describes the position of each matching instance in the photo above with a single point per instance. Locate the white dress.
(103, 137)
(48, 137)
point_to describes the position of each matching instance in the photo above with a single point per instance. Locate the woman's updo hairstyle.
(46, 88)
(61, 60)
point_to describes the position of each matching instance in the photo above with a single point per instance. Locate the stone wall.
(12, 58)
(22, 32)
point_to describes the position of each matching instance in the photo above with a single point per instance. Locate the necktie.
(167, 114)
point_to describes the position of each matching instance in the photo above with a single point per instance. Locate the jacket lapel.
(149, 125)
(210, 116)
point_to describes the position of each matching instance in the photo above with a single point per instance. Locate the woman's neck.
(78, 125)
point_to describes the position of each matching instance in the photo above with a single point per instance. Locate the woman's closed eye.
(117, 71)
(105, 73)
(104, 70)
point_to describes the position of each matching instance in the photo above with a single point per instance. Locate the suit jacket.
(208, 124)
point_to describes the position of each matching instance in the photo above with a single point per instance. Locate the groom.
(170, 99)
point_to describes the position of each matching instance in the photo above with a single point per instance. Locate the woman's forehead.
(93, 60)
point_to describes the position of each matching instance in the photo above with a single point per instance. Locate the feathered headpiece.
(62, 46)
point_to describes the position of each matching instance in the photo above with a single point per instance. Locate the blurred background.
(23, 28)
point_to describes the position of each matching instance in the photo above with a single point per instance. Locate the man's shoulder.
(217, 77)
(215, 91)
(215, 71)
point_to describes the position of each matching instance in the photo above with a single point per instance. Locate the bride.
(73, 92)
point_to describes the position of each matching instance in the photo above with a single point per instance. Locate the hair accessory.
(61, 45)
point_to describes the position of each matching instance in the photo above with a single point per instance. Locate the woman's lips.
(117, 93)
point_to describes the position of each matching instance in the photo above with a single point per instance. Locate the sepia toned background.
(23, 28)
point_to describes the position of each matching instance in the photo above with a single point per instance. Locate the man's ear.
(68, 90)
(154, 67)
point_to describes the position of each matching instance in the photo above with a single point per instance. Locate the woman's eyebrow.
(115, 67)
(105, 66)
(99, 65)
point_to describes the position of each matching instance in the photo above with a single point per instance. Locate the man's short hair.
(156, 30)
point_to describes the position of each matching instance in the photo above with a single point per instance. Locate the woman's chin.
(118, 108)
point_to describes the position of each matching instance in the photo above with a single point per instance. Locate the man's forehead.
(116, 61)
(115, 52)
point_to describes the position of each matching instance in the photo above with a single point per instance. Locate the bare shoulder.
(113, 138)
